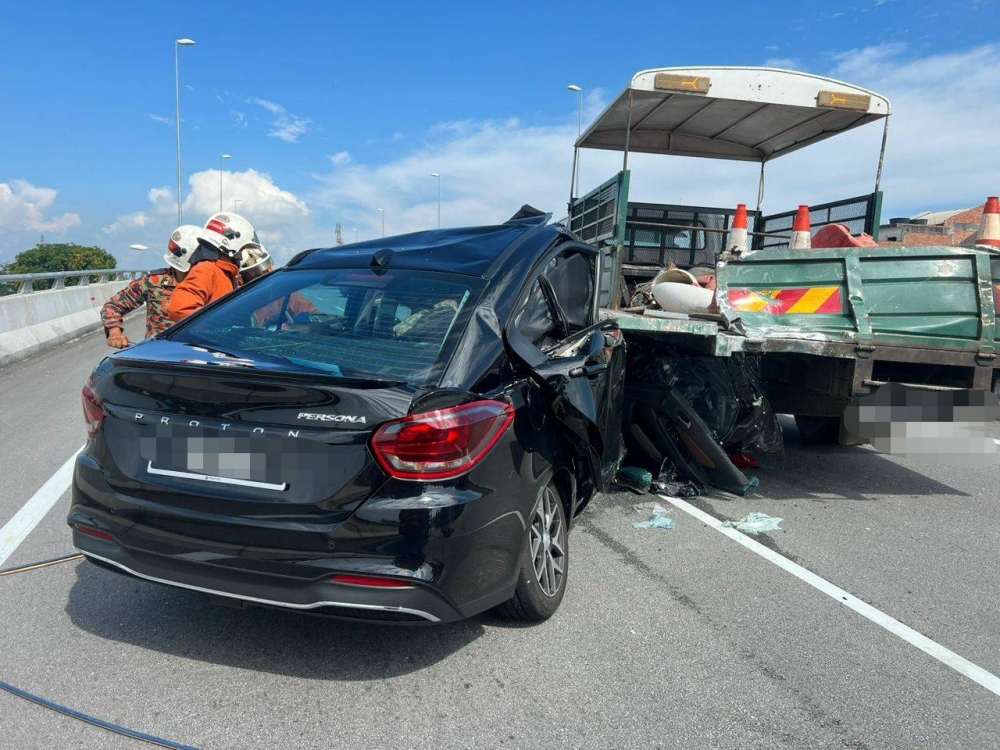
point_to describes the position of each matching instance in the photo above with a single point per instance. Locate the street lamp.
(579, 132)
(435, 174)
(178, 43)
(137, 247)
(382, 211)
(221, 159)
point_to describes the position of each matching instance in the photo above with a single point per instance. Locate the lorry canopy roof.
(745, 114)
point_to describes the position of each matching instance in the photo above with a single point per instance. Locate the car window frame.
(594, 254)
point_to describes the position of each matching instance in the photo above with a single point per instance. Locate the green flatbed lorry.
(828, 324)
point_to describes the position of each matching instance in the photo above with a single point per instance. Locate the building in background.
(956, 227)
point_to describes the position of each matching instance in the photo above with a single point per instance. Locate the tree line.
(60, 256)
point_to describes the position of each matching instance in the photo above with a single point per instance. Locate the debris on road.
(634, 478)
(658, 521)
(668, 483)
(744, 461)
(755, 523)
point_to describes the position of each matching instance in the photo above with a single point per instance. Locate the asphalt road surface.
(666, 638)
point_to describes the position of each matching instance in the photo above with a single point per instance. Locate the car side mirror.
(596, 351)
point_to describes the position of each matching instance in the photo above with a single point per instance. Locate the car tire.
(541, 580)
(818, 429)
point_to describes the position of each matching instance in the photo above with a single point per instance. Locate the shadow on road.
(184, 623)
(826, 472)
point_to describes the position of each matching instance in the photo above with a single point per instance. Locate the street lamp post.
(579, 132)
(178, 43)
(382, 211)
(355, 235)
(438, 176)
(221, 159)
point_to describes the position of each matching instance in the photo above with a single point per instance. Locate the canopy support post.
(628, 130)
(760, 192)
(881, 153)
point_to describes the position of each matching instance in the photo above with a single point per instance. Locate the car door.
(577, 360)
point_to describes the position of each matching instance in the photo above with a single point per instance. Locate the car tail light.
(96, 533)
(93, 411)
(372, 582)
(441, 444)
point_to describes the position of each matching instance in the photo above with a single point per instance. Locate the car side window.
(559, 301)
(571, 276)
(535, 321)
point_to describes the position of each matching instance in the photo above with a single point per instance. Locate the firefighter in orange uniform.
(154, 290)
(215, 265)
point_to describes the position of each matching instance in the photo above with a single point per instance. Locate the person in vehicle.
(256, 263)
(215, 265)
(154, 290)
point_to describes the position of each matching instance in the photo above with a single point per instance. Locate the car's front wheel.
(541, 581)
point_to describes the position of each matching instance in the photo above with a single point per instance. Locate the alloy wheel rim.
(548, 545)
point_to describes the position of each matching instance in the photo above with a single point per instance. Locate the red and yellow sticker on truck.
(817, 299)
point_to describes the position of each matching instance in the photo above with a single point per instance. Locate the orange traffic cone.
(738, 232)
(801, 237)
(989, 227)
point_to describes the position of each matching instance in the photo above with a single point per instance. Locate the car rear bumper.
(456, 552)
(416, 604)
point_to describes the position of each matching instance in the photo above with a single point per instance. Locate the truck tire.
(818, 429)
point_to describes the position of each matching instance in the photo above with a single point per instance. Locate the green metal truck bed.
(923, 297)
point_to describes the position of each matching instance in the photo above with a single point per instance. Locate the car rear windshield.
(352, 323)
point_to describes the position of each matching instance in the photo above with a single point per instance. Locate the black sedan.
(396, 430)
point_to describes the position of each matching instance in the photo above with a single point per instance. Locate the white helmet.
(182, 243)
(255, 255)
(256, 261)
(235, 228)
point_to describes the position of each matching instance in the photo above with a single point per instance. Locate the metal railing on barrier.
(24, 283)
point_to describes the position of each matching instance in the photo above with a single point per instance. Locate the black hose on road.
(65, 711)
(42, 564)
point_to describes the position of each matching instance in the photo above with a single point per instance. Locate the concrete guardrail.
(35, 321)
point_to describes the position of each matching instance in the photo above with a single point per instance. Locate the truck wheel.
(541, 581)
(818, 429)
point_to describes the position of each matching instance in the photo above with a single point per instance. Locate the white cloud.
(786, 63)
(285, 125)
(162, 204)
(772, 48)
(274, 109)
(161, 119)
(341, 157)
(240, 118)
(282, 219)
(23, 207)
(130, 221)
(941, 154)
(488, 170)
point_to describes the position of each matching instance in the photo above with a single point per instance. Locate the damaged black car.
(396, 430)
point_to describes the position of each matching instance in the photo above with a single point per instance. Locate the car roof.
(471, 251)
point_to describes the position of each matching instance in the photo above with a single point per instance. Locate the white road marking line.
(32, 512)
(974, 672)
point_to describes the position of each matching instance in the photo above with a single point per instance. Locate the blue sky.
(331, 111)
